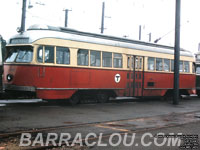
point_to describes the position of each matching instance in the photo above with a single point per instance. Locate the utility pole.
(66, 16)
(149, 37)
(23, 19)
(140, 32)
(102, 17)
(177, 53)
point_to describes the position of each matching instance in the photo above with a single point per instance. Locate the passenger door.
(138, 74)
(130, 75)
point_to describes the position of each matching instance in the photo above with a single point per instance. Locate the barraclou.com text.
(93, 139)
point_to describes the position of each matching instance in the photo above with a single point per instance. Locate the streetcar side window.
(172, 65)
(83, 57)
(40, 54)
(117, 60)
(181, 66)
(140, 63)
(49, 54)
(186, 66)
(107, 59)
(128, 62)
(136, 63)
(159, 64)
(151, 63)
(62, 55)
(166, 64)
(95, 58)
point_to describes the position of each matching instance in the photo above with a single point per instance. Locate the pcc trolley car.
(61, 63)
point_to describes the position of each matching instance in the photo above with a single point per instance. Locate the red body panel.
(62, 82)
(164, 81)
(53, 82)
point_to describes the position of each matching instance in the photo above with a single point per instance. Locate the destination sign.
(19, 41)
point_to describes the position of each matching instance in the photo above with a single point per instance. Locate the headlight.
(9, 77)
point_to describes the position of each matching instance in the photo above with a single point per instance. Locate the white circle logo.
(117, 78)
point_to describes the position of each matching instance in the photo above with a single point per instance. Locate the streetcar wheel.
(170, 98)
(75, 99)
(102, 97)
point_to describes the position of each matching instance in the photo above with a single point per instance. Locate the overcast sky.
(123, 18)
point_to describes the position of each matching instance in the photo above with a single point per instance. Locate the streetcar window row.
(160, 64)
(95, 58)
(45, 54)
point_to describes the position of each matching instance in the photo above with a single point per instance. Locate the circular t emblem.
(117, 78)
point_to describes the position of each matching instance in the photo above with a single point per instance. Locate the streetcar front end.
(18, 76)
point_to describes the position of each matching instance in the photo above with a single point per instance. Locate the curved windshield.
(21, 54)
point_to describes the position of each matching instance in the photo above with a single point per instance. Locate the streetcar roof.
(37, 32)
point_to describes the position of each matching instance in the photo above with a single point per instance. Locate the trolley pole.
(23, 19)
(66, 17)
(177, 53)
(102, 17)
(149, 37)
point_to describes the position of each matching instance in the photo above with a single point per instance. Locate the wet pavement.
(118, 116)
(41, 115)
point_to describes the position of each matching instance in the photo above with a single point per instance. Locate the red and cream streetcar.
(61, 63)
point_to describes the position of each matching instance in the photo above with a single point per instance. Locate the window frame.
(69, 53)
(86, 61)
(181, 62)
(42, 48)
(91, 51)
(45, 61)
(117, 59)
(172, 65)
(158, 69)
(184, 70)
(148, 64)
(110, 58)
(165, 59)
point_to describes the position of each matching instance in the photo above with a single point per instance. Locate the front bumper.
(11, 87)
